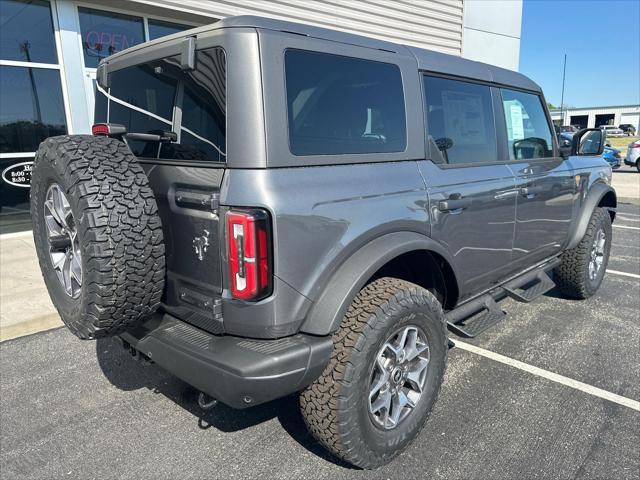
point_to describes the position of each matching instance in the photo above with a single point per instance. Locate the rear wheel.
(97, 234)
(582, 269)
(384, 375)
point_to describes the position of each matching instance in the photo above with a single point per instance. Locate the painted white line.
(627, 214)
(624, 274)
(624, 226)
(554, 377)
(7, 236)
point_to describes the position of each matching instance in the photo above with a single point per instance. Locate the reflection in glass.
(158, 28)
(26, 31)
(32, 108)
(460, 120)
(142, 98)
(105, 33)
(341, 105)
(528, 130)
(14, 198)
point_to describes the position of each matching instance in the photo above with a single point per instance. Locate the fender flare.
(594, 195)
(328, 311)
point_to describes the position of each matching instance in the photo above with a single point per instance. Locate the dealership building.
(593, 117)
(49, 51)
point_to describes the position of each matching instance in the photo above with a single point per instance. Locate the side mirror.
(588, 141)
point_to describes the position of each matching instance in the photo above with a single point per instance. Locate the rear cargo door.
(176, 124)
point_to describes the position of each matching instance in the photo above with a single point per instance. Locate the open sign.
(18, 174)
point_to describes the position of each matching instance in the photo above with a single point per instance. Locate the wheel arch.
(383, 256)
(599, 195)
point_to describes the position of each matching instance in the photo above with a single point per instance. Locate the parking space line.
(554, 377)
(624, 274)
(624, 226)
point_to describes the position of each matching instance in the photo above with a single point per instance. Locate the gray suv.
(266, 208)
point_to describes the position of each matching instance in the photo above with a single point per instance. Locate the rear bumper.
(239, 372)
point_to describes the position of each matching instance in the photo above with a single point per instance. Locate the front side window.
(342, 105)
(105, 33)
(528, 131)
(460, 120)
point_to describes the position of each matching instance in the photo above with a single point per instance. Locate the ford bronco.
(266, 208)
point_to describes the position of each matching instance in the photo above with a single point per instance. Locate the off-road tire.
(119, 230)
(572, 275)
(335, 406)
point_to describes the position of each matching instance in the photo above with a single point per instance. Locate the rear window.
(159, 96)
(342, 105)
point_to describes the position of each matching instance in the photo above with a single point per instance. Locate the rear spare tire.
(97, 233)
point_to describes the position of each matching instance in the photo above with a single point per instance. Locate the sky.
(602, 41)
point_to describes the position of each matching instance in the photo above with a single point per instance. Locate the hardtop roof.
(427, 60)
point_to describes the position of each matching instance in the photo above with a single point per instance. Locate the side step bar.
(474, 317)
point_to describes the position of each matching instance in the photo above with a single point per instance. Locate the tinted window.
(26, 31)
(32, 108)
(203, 107)
(460, 121)
(105, 33)
(142, 98)
(159, 29)
(342, 105)
(528, 130)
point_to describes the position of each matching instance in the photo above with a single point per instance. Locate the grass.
(621, 143)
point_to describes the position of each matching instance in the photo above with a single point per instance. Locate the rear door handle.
(455, 203)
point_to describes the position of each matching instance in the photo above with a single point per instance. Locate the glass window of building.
(158, 28)
(26, 31)
(32, 104)
(105, 33)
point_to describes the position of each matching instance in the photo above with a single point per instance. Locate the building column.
(70, 44)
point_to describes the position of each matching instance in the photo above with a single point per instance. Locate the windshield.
(158, 97)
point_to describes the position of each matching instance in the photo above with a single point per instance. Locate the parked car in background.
(612, 131)
(629, 129)
(633, 155)
(610, 154)
(569, 128)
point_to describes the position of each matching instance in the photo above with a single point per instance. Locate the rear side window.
(343, 105)
(528, 130)
(159, 96)
(460, 120)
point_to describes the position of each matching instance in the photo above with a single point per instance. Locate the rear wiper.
(160, 136)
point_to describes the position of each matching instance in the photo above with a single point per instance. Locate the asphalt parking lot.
(77, 409)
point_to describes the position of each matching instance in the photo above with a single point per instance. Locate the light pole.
(564, 71)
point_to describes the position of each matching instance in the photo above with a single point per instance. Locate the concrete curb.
(629, 200)
(31, 326)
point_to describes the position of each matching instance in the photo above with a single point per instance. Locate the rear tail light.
(635, 144)
(249, 243)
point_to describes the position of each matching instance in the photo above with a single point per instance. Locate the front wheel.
(582, 268)
(384, 375)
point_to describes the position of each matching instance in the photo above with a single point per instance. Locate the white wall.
(432, 24)
(491, 32)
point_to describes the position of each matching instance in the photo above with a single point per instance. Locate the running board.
(488, 315)
(477, 315)
(528, 289)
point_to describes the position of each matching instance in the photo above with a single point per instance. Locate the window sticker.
(517, 124)
(463, 117)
